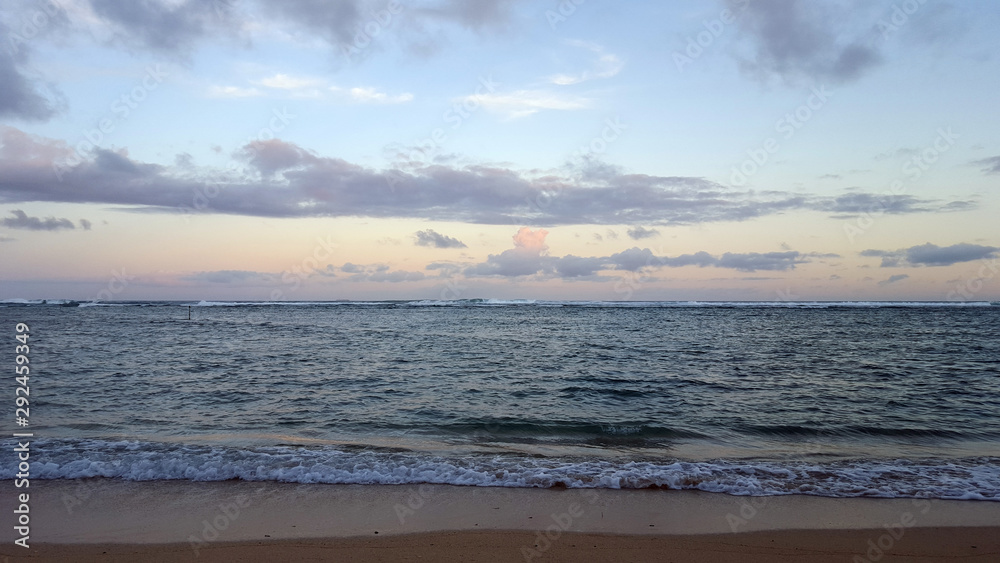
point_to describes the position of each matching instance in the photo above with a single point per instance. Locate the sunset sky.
(447, 149)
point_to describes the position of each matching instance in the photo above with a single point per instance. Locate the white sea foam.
(966, 479)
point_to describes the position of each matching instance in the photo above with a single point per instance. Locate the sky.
(253, 150)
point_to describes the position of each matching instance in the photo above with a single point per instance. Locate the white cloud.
(233, 92)
(526, 102)
(373, 96)
(606, 65)
(286, 82)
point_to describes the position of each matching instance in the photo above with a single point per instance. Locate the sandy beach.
(931, 544)
(109, 520)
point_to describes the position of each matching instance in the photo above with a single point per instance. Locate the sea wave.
(962, 479)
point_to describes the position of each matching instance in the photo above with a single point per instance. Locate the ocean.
(892, 400)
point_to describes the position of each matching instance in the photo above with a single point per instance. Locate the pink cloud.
(531, 240)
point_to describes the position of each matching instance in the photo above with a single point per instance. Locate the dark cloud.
(281, 179)
(21, 220)
(529, 257)
(853, 204)
(379, 273)
(639, 232)
(347, 24)
(22, 97)
(571, 266)
(512, 263)
(233, 277)
(477, 14)
(990, 165)
(85, 224)
(753, 261)
(430, 237)
(166, 27)
(932, 255)
(700, 259)
(893, 279)
(799, 39)
(633, 259)
(269, 157)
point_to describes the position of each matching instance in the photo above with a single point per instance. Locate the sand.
(106, 520)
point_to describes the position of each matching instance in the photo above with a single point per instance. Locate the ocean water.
(832, 399)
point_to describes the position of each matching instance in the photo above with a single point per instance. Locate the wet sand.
(107, 520)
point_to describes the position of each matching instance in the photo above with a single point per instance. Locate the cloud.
(531, 240)
(233, 92)
(372, 96)
(272, 156)
(571, 266)
(932, 255)
(478, 15)
(640, 232)
(337, 22)
(753, 261)
(606, 65)
(700, 259)
(396, 276)
(233, 277)
(431, 238)
(85, 224)
(172, 27)
(854, 204)
(522, 103)
(379, 273)
(892, 279)
(804, 41)
(526, 258)
(281, 179)
(286, 82)
(634, 259)
(340, 23)
(287, 86)
(21, 220)
(991, 165)
(530, 257)
(22, 97)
